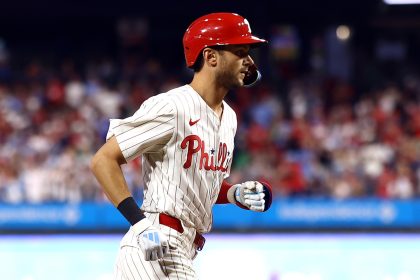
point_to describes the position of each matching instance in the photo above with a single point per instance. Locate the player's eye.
(242, 53)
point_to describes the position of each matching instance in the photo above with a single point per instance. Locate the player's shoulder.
(168, 97)
(179, 93)
(171, 96)
(170, 102)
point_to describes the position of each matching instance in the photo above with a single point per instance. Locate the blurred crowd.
(327, 145)
(313, 136)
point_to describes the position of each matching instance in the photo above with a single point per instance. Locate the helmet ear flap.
(252, 76)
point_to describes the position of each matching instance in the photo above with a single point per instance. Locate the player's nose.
(248, 60)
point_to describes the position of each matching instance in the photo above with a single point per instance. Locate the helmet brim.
(250, 40)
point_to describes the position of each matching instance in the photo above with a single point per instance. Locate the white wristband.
(231, 193)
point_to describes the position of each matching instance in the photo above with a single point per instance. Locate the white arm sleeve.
(147, 131)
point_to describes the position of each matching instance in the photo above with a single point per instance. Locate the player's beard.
(228, 78)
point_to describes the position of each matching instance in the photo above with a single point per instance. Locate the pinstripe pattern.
(177, 264)
(156, 130)
(186, 154)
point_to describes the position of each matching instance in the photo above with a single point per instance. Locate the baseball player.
(186, 139)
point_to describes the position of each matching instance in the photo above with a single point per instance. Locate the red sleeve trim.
(222, 198)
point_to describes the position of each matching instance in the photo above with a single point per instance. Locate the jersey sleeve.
(147, 131)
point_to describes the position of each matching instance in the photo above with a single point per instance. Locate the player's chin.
(237, 84)
(240, 80)
(235, 81)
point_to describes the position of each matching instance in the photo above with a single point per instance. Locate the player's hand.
(251, 195)
(151, 240)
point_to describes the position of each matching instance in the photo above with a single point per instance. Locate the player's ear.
(210, 57)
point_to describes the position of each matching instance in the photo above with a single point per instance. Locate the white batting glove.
(251, 195)
(151, 240)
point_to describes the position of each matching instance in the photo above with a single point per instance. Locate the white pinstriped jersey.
(186, 153)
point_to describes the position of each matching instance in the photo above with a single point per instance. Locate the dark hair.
(198, 64)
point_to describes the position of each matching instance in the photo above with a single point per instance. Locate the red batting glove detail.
(222, 197)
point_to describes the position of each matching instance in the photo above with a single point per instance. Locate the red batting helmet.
(216, 29)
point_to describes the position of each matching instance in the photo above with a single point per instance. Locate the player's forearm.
(110, 176)
(106, 166)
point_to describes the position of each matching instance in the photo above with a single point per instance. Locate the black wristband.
(130, 210)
